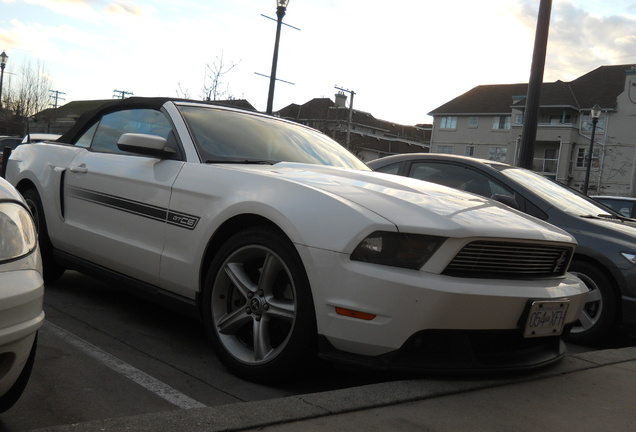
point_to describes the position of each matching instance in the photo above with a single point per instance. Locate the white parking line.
(157, 387)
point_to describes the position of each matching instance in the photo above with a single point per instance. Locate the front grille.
(503, 260)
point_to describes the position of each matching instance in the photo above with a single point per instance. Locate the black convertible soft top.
(87, 119)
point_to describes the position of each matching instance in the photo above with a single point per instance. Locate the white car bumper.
(406, 302)
(21, 315)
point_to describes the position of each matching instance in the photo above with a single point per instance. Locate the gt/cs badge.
(183, 220)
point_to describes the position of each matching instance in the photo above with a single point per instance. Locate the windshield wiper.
(240, 161)
(609, 216)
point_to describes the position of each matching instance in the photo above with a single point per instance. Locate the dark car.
(10, 142)
(606, 254)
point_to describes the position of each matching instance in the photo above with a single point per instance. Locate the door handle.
(79, 169)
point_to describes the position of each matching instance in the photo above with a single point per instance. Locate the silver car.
(21, 295)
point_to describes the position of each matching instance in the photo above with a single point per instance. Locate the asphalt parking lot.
(106, 354)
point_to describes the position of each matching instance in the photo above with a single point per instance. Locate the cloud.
(125, 8)
(92, 11)
(78, 9)
(581, 40)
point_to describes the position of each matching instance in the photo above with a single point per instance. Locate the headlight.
(397, 249)
(17, 233)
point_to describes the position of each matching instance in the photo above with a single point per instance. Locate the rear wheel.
(52, 270)
(600, 315)
(257, 307)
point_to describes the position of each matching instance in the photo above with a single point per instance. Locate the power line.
(121, 94)
(56, 98)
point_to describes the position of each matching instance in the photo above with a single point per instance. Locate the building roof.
(326, 109)
(601, 86)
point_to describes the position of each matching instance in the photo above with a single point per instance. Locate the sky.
(401, 58)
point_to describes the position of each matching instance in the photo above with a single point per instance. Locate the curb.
(252, 415)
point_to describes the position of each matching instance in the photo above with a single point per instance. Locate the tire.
(257, 307)
(11, 397)
(600, 316)
(52, 270)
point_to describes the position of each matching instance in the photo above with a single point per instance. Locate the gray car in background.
(605, 258)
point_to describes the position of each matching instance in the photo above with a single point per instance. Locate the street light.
(3, 62)
(280, 13)
(596, 113)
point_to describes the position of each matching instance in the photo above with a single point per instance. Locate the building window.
(581, 159)
(586, 124)
(470, 151)
(446, 149)
(549, 163)
(560, 119)
(501, 123)
(448, 123)
(473, 122)
(518, 119)
(499, 154)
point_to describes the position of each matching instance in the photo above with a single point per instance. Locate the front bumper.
(21, 315)
(409, 305)
(455, 351)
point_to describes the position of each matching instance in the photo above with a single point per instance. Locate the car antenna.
(28, 130)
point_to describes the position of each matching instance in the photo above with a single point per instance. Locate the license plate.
(546, 318)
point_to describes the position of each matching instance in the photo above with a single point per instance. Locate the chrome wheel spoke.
(269, 273)
(594, 296)
(262, 342)
(281, 309)
(232, 322)
(239, 278)
(586, 320)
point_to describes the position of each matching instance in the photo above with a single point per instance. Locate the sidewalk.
(593, 391)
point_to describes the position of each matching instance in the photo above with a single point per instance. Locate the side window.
(423, 171)
(114, 125)
(458, 177)
(86, 139)
(390, 169)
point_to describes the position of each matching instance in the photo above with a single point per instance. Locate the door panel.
(116, 203)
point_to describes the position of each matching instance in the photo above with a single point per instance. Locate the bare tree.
(181, 93)
(212, 82)
(615, 166)
(28, 92)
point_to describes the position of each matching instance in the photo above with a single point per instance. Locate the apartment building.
(486, 122)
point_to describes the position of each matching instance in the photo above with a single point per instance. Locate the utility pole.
(56, 97)
(352, 93)
(533, 100)
(121, 94)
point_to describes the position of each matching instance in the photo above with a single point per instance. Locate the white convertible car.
(289, 248)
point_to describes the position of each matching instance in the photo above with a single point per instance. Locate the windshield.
(558, 195)
(230, 136)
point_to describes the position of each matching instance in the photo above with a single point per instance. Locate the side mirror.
(507, 200)
(6, 153)
(149, 145)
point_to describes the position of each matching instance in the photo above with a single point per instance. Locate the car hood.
(422, 207)
(594, 231)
